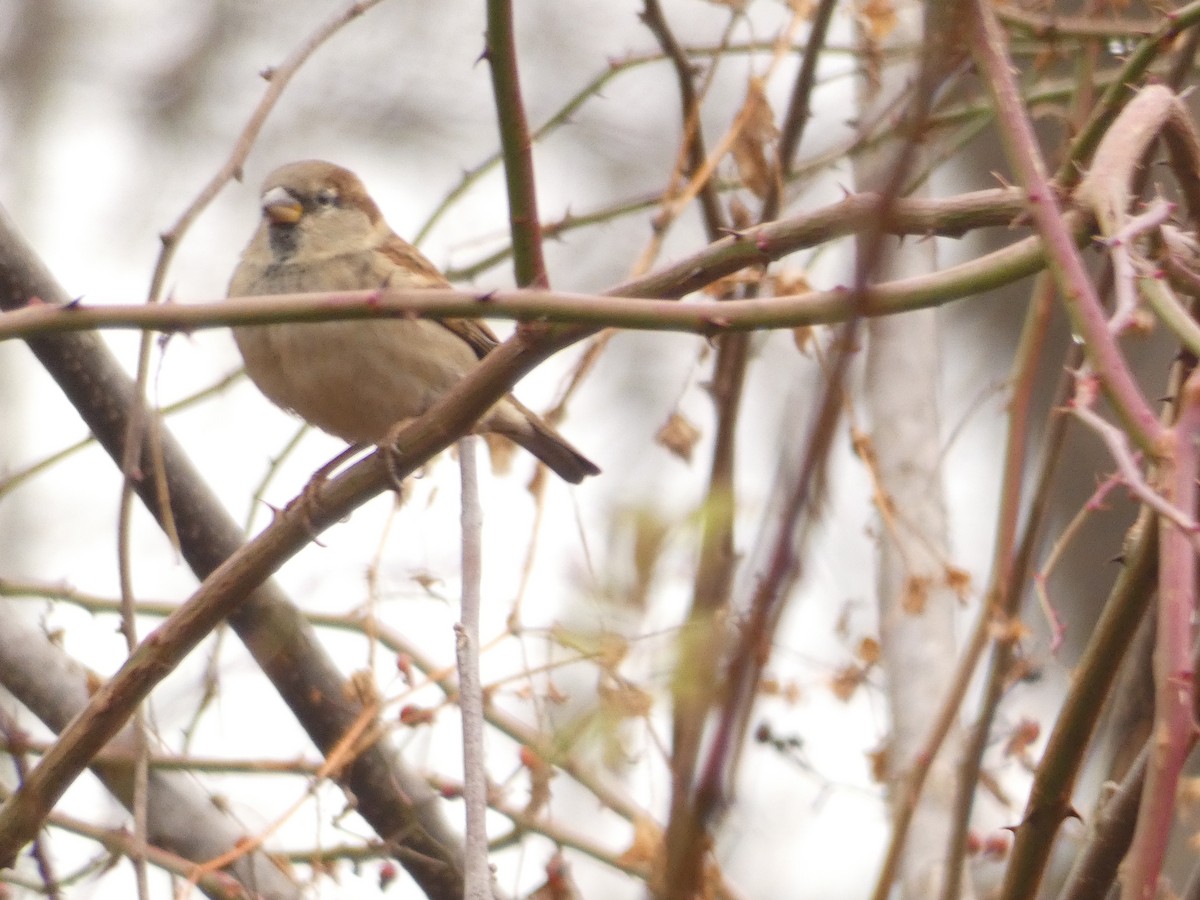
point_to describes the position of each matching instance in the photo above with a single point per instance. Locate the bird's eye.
(327, 197)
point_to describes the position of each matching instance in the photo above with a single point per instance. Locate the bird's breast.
(354, 379)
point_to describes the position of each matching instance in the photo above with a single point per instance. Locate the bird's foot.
(308, 500)
(393, 453)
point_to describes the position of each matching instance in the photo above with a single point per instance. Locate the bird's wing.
(420, 272)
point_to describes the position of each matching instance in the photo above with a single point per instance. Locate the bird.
(321, 231)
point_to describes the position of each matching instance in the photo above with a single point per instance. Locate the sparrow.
(321, 231)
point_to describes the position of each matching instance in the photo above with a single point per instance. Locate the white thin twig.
(477, 874)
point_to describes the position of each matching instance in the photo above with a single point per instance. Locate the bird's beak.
(281, 207)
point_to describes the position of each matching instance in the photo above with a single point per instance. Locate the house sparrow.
(320, 231)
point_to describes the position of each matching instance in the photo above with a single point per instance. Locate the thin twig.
(529, 264)
(1075, 286)
(1174, 682)
(477, 877)
(692, 148)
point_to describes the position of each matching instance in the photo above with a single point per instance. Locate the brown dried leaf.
(1009, 631)
(540, 774)
(749, 148)
(740, 216)
(759, 117)
(959, 581)
(879, 760)
(606, 647)
(727, 286)
(846, 681)
(791, 281)
(869, 651)
(752, 165)
(916, 594)
(788, 691)
(501, 450)
(624, 700)
(1023, 735)
(427, 582)
(646, 851)
(559, 884)
(611, 650)
(877, 18)
(412, 715)
(679, 436)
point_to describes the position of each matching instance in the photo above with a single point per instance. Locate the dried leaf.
(916, 595)
(412, 715)
(753, 168)
(759, 117)
(846, 681)
(1008, 631)
(749, 148)
(625, 700)
(1023, 735)
(540, 774)
(679, 436)
(788, 691)
(427, 582)
(877, 18)
(869, 651)
(879, 760)
(802, 337)
(647, 847)
(607, 648)
(501, 450)
(558, 885)
(726, 287)
(792, 281)
(740, 216)
(959, 581)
